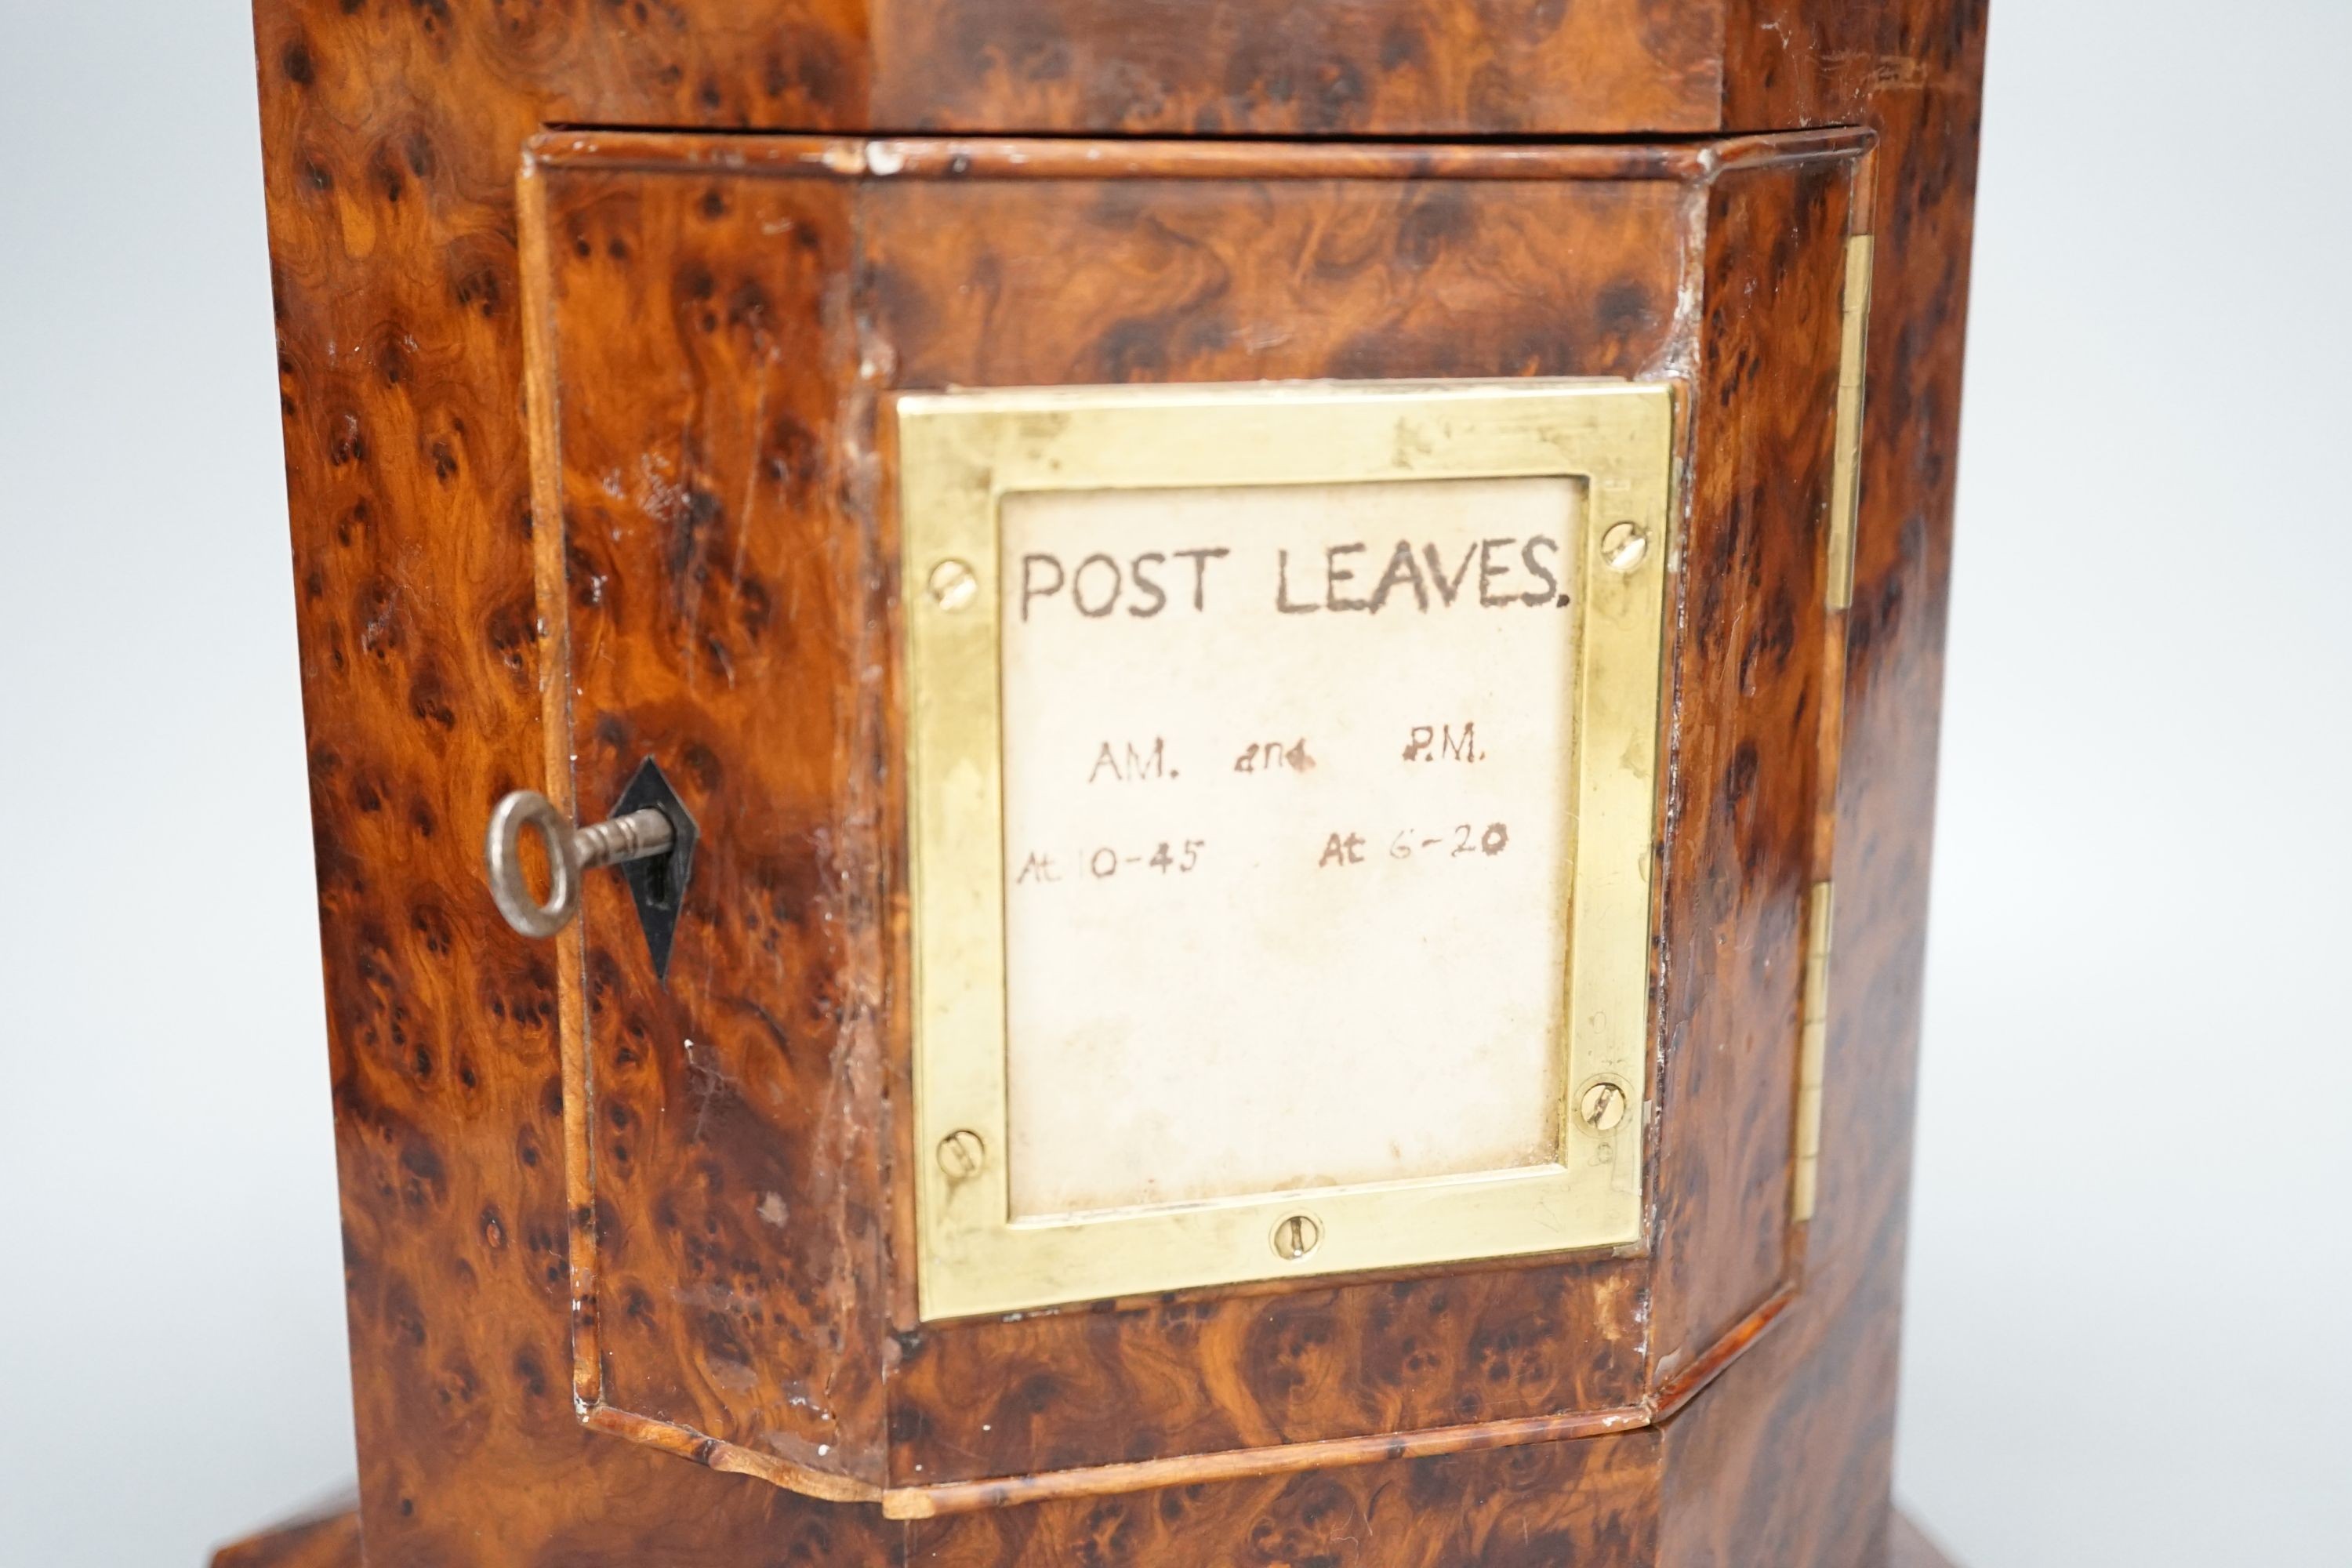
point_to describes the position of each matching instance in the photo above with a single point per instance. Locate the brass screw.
(961, 1153)
(953, 585)
(1297, 1236)
(1602, 1106)
(1624, 545)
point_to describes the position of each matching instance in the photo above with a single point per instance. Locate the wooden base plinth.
(332, 1540)
(1911, 1548)
(323, 1537)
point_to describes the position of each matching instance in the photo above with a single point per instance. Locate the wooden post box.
(1263, 684)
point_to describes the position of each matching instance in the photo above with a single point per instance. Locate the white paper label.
(1287, 783)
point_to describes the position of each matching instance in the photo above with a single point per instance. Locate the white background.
(2131, 1254)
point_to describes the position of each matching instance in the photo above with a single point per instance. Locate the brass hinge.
(1845, 503)
(1845, 477)
(1812, 1050)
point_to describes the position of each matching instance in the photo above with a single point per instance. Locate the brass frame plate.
(960, 455)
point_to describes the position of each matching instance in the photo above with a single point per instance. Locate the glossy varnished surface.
(393, 136)
(392, 133)
(1363, 278)
(1301, 1520)
(1360, 67)
(1364, 66)
(1792, 1456)
(1045, 282)
(1157, 281)
(1747, 694)
(329, 1538)
(667, 266)
(1535, 1506)
(717, 587)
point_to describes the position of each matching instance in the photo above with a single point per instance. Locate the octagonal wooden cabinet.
(1262, 685)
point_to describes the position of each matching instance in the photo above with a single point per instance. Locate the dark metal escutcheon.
(650, 837)
(657, 884)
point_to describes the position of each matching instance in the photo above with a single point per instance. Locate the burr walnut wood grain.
(1737, 844)
(1302, 1522)
(1792, 1455)
(1358, 67)
(392, 134)
(329, 1539)
(718, 581)
(701, 365)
